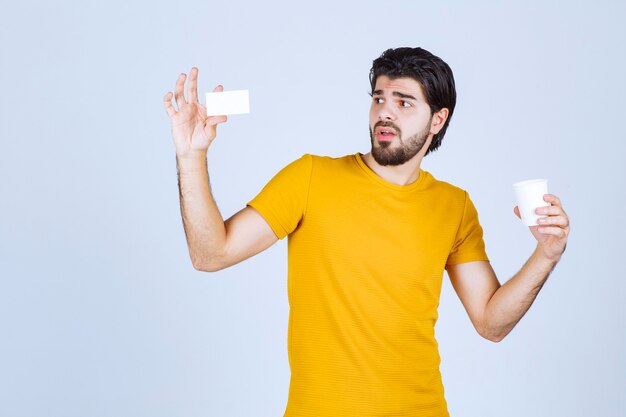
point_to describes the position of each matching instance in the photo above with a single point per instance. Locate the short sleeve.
(282, 202)
(468, 244)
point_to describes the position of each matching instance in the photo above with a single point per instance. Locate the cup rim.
(527, 182)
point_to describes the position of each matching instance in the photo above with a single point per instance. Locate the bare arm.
(495, 309)
(213, 244)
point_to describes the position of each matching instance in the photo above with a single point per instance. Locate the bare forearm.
(203, 223)
(513, 299)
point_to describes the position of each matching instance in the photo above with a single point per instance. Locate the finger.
(553, 220)
(215, 120)
(516, 211)
(202, 111)
(218, 89)
(549, 210)
(179, 91)
(555, 201)
(167, 103)
(192, 85)
(556, 231)
(551, 198)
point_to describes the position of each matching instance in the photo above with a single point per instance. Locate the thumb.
(516, 211)
(215, 120)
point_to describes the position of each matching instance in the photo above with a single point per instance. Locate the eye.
(405, 103)
(377, 100)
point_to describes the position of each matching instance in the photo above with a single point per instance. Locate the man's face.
(400, 120)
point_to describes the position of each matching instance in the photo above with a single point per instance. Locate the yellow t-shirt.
(365, 267)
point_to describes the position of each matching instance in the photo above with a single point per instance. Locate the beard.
(386, 153)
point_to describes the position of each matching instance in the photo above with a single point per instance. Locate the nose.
(386, 113)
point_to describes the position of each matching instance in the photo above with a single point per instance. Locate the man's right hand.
(192, 130)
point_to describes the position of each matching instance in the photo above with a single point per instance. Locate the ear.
(438, 120)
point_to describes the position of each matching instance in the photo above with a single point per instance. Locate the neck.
(404, 174)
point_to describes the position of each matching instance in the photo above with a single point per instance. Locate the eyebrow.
(395, 93)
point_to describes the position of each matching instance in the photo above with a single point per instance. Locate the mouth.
(385, 134)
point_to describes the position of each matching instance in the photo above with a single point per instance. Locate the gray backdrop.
(101, 312)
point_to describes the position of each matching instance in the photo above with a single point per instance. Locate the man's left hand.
(553, 230)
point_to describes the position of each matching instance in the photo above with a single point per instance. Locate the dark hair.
(431, 72)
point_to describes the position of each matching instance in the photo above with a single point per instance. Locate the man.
(369, 238)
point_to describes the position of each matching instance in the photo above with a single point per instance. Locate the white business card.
(227, 102)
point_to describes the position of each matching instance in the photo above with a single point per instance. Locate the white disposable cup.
(529, 196)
